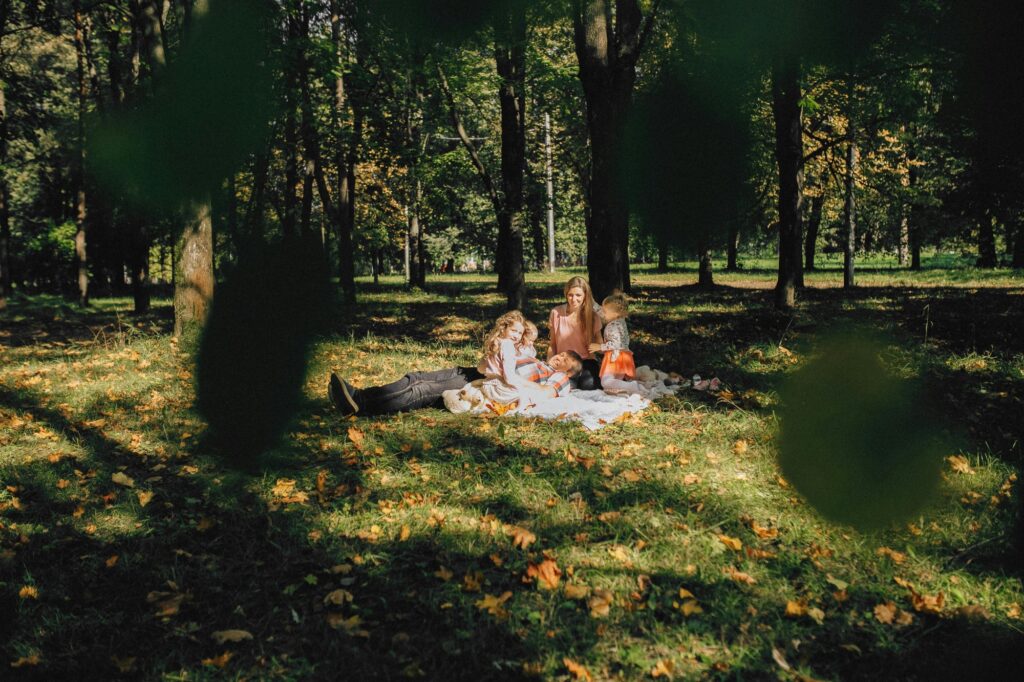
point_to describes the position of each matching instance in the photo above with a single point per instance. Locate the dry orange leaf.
(927, 604)
(740, 447)
(959, 464)
(112, 560)
(600, 603)
(521, 537)
(26, 660)
(473, 581)
(795, 609)
(338, 597)
(663, 668)
(121, 478)
(350, 625)
(219, 661)
(896, 557)
(444, 574)
(546, 573)
(885, 613)
(221, 636)
(144, 497)
(404, 534)
(495, 605)
(735, 544)
(691, 479)
(764, 533)
(739, 576)
(28, 592)
(63, 483)
(356, 436)
(578, 672)
(575, 591)
(609, 516)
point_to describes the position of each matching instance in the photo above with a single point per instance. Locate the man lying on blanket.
(535, 381)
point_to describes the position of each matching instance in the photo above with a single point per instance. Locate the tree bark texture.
(849, 210)
(607, 49)
(510, 57)
(987, 241)
(662, 256)
(732, 247)
(6, 280)
(813, 228)
(193, 282)
(1018, 243)
(788, 156)
(81, 248)
(705, 278)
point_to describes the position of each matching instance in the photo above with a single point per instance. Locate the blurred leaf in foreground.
(210, 108)
(857, 442)
(255, 346)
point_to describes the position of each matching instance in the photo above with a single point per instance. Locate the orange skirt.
(621, 367)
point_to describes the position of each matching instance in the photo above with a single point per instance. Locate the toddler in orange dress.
(618, 371)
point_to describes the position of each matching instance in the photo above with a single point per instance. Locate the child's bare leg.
(617, 384)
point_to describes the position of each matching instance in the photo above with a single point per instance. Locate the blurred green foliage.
(210, 109)
(860, 444)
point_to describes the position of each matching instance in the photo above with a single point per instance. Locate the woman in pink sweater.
(574, 326)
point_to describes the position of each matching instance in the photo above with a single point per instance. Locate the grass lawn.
(439, 546)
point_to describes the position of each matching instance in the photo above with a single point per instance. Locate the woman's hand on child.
(594, 347)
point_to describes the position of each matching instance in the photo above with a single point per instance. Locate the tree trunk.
(417, 271)
(138, 262)
(607, 51)
(81, 255)
(193, 286)
(788, 156)
(704, 269)
(510, 57)
(813, 227)
(6, 280)
(549, 193)
(849, 208)
(987, 242)
(662, 256)
(310, 144)
(1018, 243)
(732, 247)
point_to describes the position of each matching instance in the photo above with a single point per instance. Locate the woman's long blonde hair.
(492, 341)
(586, 312)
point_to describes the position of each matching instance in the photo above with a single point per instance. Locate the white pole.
(550, 193)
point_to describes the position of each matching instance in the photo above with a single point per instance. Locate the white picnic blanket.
(593, 409)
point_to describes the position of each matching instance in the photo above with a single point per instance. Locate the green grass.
(415, 516)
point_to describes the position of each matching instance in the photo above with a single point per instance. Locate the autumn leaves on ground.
(435, 546)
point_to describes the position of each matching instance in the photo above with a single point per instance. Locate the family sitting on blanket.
(509, 370)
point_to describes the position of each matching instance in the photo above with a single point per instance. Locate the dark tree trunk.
(510, 56)
(138, 262)
(732, 247)
(849, 209)
(607, 50)
(535, 214)
(662, 256)
(310, 144)
(1018, 243)
(6, 280)
(789, 156)
(193, 285)
(987, 242)
(81, 252)
(705, 279)
(813, 227)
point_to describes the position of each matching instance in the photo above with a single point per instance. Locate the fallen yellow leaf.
(578, 672)
(495, 605)
(221, 636)
(219, 661)
(546, 573)
(735, 544)
(121, 478)
(145, 497)
(663, 668)
(28, 592)
(600, 603)
(575, 591)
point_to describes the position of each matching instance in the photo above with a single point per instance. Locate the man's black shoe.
(342, 395)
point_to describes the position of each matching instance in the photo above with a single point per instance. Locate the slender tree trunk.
(662, 256)
(193, 286)
(81, 254)
(1018, 242)
(987, 242)
(732, 247)
(6, 280)
(813, 227)
(310, 144)
(789, 156)
(510, 57)
(849, 208)
(535, 214)
(138, 262)
(549, 193)
(705, 279)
